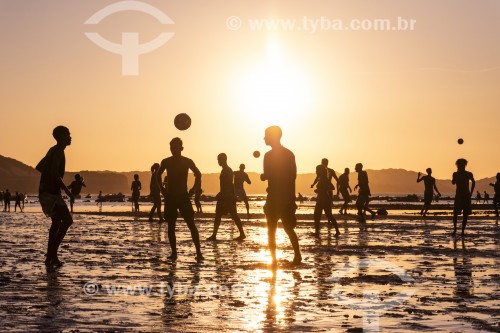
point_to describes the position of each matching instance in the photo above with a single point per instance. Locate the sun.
(274, 91)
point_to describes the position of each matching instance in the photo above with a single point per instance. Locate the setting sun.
(274, 91)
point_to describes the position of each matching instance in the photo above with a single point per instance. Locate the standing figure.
(52, 168)
(240, 177)
(486, 197)
(155, 193)
(18, 202)
(478, 197)
(226, 199)
(136, 188)
(363, 194)
(197, 202)
(177, 195)
(324, 190)
(76, 188)
(6, 201)
(461, 179)
(496, 197)
(280, 171)
(344, 188)
(430, 187)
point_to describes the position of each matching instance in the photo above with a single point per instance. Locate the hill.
(17, 176)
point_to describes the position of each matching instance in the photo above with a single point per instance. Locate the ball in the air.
(182, 121)
(460, 141)
(256, 154)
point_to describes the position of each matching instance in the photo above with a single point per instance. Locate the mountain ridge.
(17, 176)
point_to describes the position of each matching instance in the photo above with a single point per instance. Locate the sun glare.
(274, 91)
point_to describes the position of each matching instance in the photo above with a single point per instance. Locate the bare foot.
(240, 238)
(296, 261)
(212, 238)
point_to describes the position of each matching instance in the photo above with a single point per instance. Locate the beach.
(116, 277)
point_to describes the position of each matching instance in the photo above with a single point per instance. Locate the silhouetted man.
(52, 168)
(18, 202)
(75, 188)
(155, 193)
(496, 197)
(197, 200)
(177, 195)
(344, 188)
(324, 198)
(430, 187)
(478, 197)
(240, 177)
(461, 179)
(226, 199)
(486, 197)
(136, 188)
(99, 200)
(363, 194)
(280, 171)
(6, 201)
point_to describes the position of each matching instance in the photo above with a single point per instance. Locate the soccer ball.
(460, 141)
(182, 121)
(256, 154)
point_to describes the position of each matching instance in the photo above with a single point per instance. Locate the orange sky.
(384, 98)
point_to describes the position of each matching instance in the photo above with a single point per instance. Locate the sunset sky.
(388, 99)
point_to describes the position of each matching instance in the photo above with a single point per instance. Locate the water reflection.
(463, 272)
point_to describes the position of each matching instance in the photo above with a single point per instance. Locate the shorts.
(225, 205)
(428, 196)
(178, 204)
(284, 211)
(462, 204)
(135, 197)
(323, 201)
(241, 194)
(363, 199)
(345, 195)
(50, 202)
(155, 198)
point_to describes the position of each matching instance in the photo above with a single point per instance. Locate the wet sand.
(454, 286)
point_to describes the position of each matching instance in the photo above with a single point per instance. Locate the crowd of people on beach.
(19, 200)
(279, 171)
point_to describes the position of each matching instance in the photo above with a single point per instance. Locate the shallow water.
(418, 278)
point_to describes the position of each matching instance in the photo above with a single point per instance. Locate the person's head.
(176, 146)
(324, 162)
(242, 167)
(461, 163)
(347, 171)
(429, 171)
(155, 167)
(358, 167)
(78, 177)
(62, 135)
(18, 193)
(273, 136)
(222, 159)
(136, 177)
